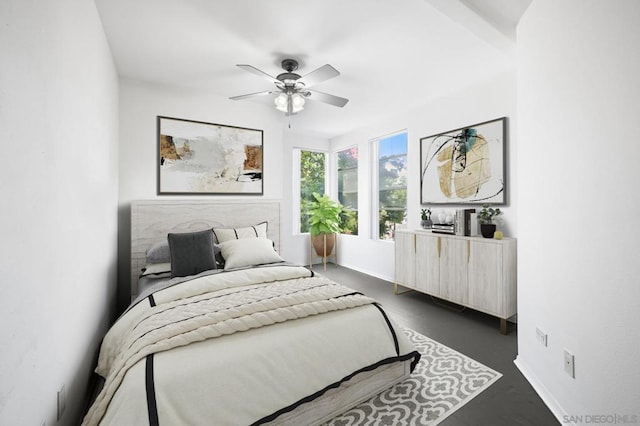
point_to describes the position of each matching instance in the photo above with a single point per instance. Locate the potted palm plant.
(485, 217)
(324, 223)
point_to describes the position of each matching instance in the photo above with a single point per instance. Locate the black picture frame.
(465, 166)
(201, 158)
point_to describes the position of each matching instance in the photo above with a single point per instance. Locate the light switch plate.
(62, 401)
(569, 366)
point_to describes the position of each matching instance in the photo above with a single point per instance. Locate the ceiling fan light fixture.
(281, 102)
(297, 102)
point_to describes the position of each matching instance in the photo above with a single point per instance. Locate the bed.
(229, 333)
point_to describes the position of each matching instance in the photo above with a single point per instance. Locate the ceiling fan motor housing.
(289, 77)
(289, 65)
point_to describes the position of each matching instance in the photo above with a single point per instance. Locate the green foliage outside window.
(312, 179)
(348, 189)
(392, 184)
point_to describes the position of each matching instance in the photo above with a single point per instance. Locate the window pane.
(388, 220)
(348, 188)
(312, 179)
(392, 184)
(393, 199)
(348, 159)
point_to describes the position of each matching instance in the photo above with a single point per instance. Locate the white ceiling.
(393, 55)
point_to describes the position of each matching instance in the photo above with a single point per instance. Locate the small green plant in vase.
(425, 216)
(485, 217)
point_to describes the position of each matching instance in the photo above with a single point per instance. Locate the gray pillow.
(191, 253)
(159, 253)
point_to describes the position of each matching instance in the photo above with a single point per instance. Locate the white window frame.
(375, 187)
(335, 167)
(375, 198)
(295, 223)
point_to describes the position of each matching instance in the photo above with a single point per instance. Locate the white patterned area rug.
(444, 380)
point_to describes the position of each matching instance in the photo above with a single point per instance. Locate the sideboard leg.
(396, 290)
(503, 325)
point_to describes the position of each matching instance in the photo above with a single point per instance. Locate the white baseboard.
(364, 271)
(543, 392)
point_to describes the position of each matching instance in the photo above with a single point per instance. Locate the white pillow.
(156, 268)
(227, 234)
(248, 252)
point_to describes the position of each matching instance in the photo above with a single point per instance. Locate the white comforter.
(238, 348)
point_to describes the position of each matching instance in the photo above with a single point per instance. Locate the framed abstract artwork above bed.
(195, 157)
(465, 166)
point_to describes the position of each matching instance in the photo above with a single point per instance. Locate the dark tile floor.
(509, 401)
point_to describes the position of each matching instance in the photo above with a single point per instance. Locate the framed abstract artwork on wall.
(465, 166)
(195, 157)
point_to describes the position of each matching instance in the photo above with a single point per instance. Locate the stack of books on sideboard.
(465, 223)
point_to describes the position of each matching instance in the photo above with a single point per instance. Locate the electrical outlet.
(541, 336)
(569, 366)
(62, 402)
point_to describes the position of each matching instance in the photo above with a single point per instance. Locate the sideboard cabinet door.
(428, 264)
(405, 257)
(454, 257)
(492, 277)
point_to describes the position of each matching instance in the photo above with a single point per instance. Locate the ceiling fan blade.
(323, 73)
(327, 98)
(259, 73)
(252, 95)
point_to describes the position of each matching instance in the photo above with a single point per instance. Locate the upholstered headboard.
(152, 220)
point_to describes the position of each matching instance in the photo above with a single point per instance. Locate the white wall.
(361, 252)
(295, 246)
(140, 104)
(578, 105)
(58, 180)
(490, 100)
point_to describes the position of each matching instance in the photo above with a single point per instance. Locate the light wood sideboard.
(474, 272)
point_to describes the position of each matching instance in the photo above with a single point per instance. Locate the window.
(348, 188)
(313, 172)
(392, 184)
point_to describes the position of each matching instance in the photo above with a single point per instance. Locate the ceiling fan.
(293, 89)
